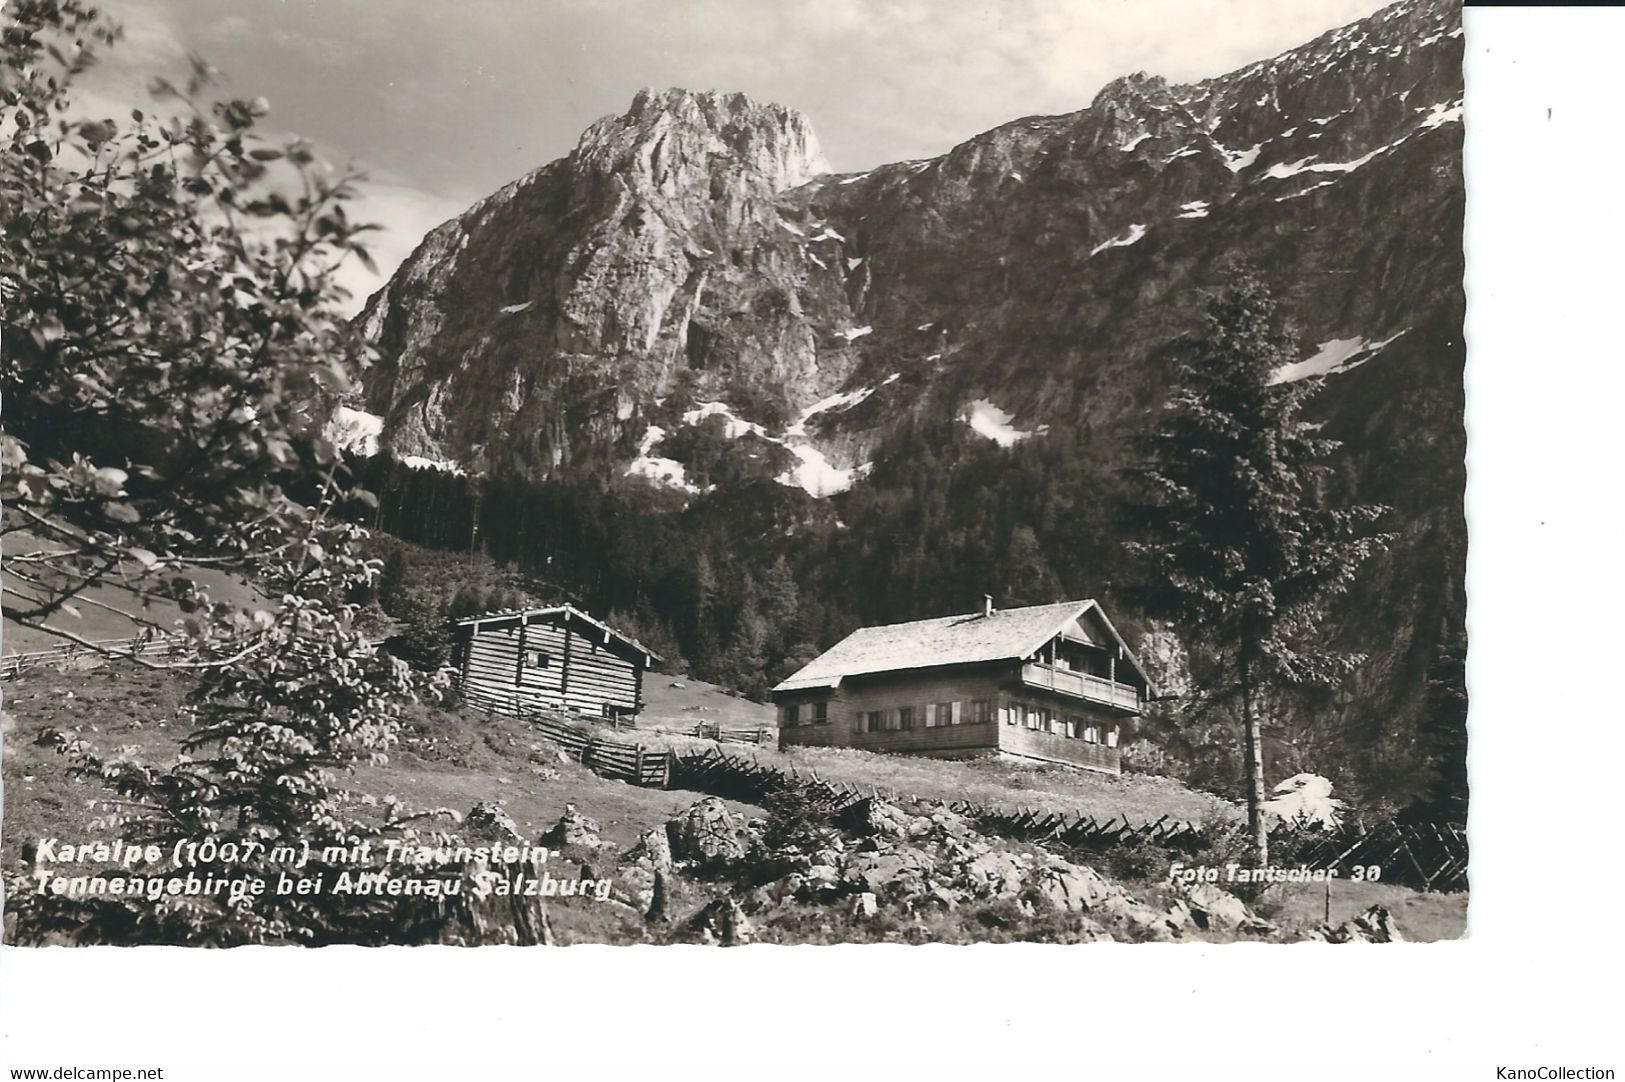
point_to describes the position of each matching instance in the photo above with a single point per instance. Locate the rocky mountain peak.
(673, 139)
(1140, 86)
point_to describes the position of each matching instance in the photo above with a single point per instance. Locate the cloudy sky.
(442, 102)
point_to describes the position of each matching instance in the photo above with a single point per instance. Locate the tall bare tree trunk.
(1254, 762)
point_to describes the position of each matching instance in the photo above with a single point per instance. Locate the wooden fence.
(759, 735)
(610, 758)
(12, 665)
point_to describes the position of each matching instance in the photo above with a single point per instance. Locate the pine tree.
(1239, 546)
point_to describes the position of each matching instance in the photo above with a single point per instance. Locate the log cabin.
(1055, 683)
(559, 658)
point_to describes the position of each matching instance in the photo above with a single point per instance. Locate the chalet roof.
(1003, 635)
(501, 616)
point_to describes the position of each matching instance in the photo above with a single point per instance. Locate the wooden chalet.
(557, 657)
(1050, 682)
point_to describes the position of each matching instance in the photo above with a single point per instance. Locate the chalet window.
(946, 714)
(537, 659)
(876, 721)
(820, 713)
(858, 718)
(905, 717)
(790, 715)
(1091, 734)
(1111, 737)
(981, 711)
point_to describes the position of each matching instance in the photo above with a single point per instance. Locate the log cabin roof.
(1002, 635)
(499, 617)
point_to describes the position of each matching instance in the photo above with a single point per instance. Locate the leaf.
(147, 558)
(121, 512)
(265, 154)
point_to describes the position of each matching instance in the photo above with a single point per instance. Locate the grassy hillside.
(678, 702)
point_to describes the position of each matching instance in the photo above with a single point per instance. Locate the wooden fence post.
(637, 765)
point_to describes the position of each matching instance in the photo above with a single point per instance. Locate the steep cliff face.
(691, 301)
(551, 314)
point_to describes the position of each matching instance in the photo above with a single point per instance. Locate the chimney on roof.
(987, 604)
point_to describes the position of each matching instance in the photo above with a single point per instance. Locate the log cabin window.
(905, 718)
(981, 711)
(944, 714)
(875, 721)
(820, 713)
(790, 716)
(537, 659)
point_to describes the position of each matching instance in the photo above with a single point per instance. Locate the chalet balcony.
(1094, 689)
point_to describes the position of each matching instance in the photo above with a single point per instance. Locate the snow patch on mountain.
(733, 427)
(1283, 170)
(1442, 113)
(813, 472)
(1197, 209)
(444, 465)
(1335, 355)
(844, 401)
(994, 423)
(662, 471)
(816, 476)
(852, 334)
(1135, 232)
(509, 310)
(1237, 160)
(356, 431)
(1304, 191)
